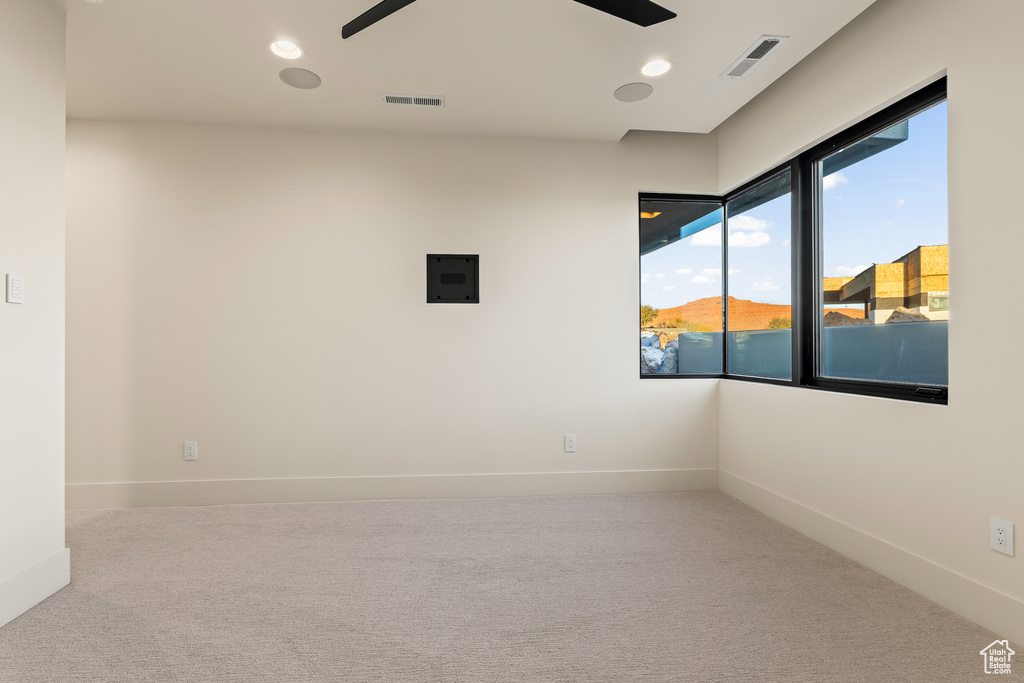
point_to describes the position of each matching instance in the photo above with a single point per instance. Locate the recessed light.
(656, 67)
(286, 49)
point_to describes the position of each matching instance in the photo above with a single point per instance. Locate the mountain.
(743, 315)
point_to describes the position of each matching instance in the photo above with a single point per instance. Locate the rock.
(670, 364)
(650, 339)
(672, 342)
(835, 319)
(905, 315)
(650, 359)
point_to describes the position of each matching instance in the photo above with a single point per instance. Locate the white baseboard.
(232, 491)
(1000, 613)
(24, 591)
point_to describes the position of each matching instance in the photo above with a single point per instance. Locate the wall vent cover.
(415, 100)
(753, 55)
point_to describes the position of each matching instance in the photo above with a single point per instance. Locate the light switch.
(15, 288)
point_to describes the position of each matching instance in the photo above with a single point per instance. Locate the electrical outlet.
(570, 443)
(15, 288)
(1000, 535)
(191, 450)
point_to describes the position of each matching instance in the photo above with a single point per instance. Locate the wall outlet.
(1000, 535)
(191, 450)
(15, 288)
(570, 443)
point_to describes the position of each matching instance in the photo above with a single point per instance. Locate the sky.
(874, 211)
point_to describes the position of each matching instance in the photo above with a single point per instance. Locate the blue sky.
(874, 211)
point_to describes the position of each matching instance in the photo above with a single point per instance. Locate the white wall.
(33, 560)
(913, 496)
(262, 291)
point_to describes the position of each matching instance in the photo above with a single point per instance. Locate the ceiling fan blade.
(372, 16)
(640, 12)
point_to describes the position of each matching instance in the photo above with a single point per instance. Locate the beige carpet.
(660, 587)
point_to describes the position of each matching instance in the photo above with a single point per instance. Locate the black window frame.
(806, 259)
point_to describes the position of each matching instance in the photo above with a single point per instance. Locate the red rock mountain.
(743, 315)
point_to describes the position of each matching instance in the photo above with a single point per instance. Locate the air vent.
(753, 55)
(415, 100)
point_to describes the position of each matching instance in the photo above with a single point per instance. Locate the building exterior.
(918, 281)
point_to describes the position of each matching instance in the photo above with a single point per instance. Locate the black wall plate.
(453, 278)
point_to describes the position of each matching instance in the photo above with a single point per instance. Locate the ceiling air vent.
(753, 55)
(416, 100)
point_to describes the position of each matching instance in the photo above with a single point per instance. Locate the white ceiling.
(533, 68)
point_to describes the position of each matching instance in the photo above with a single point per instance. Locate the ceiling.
(529, 68)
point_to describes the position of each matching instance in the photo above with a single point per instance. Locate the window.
(759, 312)
(681, 260)
(834, 269)
(885, 254)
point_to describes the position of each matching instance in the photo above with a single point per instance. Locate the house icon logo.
(997, 657)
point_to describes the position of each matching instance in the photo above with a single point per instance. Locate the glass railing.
(911, 353)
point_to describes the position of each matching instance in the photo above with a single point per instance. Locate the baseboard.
(1000, 613)
(24, 591)
(231, 491)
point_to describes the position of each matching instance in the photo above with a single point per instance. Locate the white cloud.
(712, 237)
(645, 278)
(901, 202)
(748, 223)
(785, 243)
(709, 237)
(733, 271)
(660, 275)
(711, 271)
(749, 239)
(888, 224)
(837, 178)
(669, 287)
(850, 270)
(683, 271)
(700, 279)
(764, 287)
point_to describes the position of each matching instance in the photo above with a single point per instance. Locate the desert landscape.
(705, 315)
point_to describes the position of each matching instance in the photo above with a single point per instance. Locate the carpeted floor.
(659, 587)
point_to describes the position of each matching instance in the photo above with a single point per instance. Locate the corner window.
(830, 271)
